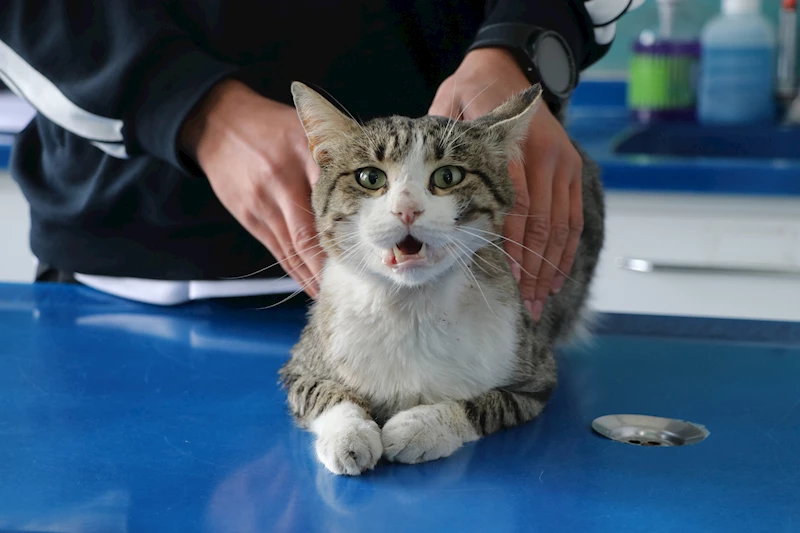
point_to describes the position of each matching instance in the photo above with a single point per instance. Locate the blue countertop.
(122, 417)
(6, 141)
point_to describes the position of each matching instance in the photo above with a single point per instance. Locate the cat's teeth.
(400, 257)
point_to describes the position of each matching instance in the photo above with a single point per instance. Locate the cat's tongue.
(409, 246)
(408, 249)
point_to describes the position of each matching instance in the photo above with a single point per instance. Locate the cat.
(419, 340)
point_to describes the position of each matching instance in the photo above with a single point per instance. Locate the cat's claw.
(423, 433)
(350, 449)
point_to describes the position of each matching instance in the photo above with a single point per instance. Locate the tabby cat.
(419, 341)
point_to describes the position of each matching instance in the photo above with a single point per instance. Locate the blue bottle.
(737, 66)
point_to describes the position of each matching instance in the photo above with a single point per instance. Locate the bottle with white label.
(738, 66)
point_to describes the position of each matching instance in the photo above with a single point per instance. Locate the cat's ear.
(326, 127)
(509, 122)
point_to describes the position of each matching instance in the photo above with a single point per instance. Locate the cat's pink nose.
(407, 214)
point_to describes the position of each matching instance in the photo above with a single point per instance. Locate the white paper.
(15, 113)
(163, 292)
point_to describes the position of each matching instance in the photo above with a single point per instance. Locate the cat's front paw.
(425, 433)
(351, 448)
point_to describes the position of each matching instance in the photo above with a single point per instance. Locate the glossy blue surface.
(6, 140)
(120, 417)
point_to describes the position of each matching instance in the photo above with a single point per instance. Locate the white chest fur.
(441, 342)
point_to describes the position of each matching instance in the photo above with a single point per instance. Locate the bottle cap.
(739, 7)
(790, 5)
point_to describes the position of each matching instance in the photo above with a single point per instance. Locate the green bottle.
(663, 71)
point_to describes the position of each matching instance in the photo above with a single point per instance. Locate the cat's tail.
(580, 334)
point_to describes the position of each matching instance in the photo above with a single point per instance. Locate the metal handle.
(647, 266)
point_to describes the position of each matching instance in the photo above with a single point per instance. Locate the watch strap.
(518, 39)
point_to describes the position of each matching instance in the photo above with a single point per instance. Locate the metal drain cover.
(644, 430)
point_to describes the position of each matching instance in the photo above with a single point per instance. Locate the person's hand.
(254, 152)
(543, 229)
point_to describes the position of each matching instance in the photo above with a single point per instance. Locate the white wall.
(16, 261)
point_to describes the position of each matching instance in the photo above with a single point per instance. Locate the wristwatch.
(543, 55)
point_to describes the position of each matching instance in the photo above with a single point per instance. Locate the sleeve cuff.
(559, 16)
(172, 89)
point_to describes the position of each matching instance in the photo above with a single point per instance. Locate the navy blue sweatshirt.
(113, 81)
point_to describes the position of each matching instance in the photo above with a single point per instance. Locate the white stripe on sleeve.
(48, 100)
(113, 149)
(604, 15)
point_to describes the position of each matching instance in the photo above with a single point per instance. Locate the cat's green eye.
(371, 178)
(446, 177)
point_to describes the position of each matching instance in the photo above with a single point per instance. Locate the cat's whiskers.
(361, 126)
(468, 254)
(465, 267)
(499, 248)
(524, 248)
(364, 264)
(521, 215)
(289, 272)
(361, 267)
(303, 287)
(475, 98)
(464, 204)
(312, 279)
(452, 103)
(303, 208)
(260, 270)
(474, 255)
(467, 129)
(461, 114)
(351, 251)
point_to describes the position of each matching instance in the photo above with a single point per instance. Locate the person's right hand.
(255, 154)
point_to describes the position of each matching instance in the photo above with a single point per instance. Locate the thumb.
(442, 109)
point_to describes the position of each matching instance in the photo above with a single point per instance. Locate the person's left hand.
(543, 229)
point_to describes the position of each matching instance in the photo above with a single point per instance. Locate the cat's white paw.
(425, 433)
(347, 444)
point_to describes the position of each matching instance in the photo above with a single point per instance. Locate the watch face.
(554, 64)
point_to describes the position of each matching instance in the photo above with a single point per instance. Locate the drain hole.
(646, 443)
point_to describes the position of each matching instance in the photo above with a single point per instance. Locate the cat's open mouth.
(406, 252)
